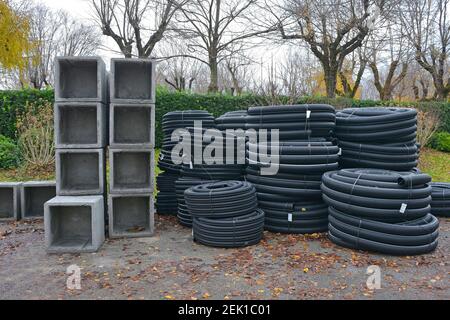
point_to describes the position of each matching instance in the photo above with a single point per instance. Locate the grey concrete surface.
(80, 79)
(33, 196)
(10, 201)
(171, 266)
(132, 81)
(132, 126)
(80, 125)
(131, 171)
(80, 172)
(74, 224)
(131, 216)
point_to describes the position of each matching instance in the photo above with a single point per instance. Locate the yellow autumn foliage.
(320, 89)
(14, 37)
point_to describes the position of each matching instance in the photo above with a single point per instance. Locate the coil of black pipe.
(166, 203)
(225, 214)
(232, 120)
(379, 210)
(440, 204)
(380, 138)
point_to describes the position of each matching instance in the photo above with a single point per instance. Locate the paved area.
(171, 266)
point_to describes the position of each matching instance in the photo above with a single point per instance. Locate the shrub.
(428, 123)
(441, 141)
(35, 129)
(9, 153)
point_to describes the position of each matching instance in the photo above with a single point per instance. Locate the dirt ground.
(171, 266)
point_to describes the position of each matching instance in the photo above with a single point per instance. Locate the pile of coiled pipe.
(225, 214)
(382, 138)
(232, 120)
(440, 195)
(166, 203)
(292, 199)
(294, 122)
(379, 210)
(181, 185)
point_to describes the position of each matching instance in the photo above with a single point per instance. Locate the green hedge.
(13, 103)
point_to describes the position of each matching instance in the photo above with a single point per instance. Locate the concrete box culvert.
(74, 224)
(132, 81)
(80, 125)
(80, 79)
(33, 195)
(9, 201)
(131, 215)
(132, 126)
(131, 171)
(80, 172)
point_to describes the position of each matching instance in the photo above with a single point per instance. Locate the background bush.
(13, 104)
(9, 153)
(441, 141)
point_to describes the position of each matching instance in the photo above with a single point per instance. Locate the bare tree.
(216, 30)
(135, 25)
(332, 30)
(427, 27)
(234, 75)
(351, 72)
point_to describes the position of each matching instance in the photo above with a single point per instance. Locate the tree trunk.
(330, 74)
(214, 75)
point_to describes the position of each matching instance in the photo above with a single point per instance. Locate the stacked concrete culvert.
(166, 200)
(382, 211)
(440, 204)
(382, 138)
(74, 219)
(131, 151)
(225, 214)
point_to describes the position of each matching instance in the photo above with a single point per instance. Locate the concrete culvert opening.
(131, 215)
(80, 171)
(35, 199)
(6, 203)
(132, 170)
(78, 125)
(78, 79)
(132, 124)
(71, 226)
(133, 80)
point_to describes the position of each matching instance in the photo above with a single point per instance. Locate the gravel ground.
(171, 266)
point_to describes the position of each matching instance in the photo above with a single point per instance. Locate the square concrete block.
(80, 125)
(81, 79)
(74, 224)
(33, 195)
(131, 215)
(9, 201)
(132, 126)
(131, 171)
(132, 81)
(80, 172)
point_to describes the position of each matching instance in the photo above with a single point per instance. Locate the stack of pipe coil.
(292, 199)
(194, 174)
(440, 204)
(379, 210)
(382, 138)
(166, 200)
(225, 214)
(232, 120)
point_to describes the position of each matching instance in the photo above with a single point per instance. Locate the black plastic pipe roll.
(166, 201)
(232, 120)
(440, 204)
(240, 231)
(380, 210)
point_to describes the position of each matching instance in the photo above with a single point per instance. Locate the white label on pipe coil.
(308, 114)
(403, 208)
(290, 217)
(161, 156)
(340, 152)
(191, 166)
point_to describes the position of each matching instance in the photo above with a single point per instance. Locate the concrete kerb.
(74, 224)
(80, 125)
(80, 172)
(33, 196)
(131, 216)
(9, 201)
(132, 126)
(131, 171)
(132, 81)
(80, 79)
